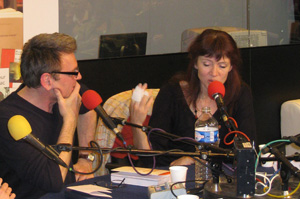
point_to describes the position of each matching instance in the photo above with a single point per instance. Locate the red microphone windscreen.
(216, 87)
(91, 99)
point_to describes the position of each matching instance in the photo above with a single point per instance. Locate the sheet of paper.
(93, 190)
(4, 77)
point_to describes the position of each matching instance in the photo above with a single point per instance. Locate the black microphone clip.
(123, 122)
(118, 120)
(295, 140)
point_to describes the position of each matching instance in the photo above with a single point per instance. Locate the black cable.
(171, 188)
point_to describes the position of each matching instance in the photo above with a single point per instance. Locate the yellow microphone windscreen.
(18, 127)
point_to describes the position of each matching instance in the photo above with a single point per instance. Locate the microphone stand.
(143, 152)
(274, 149)
(215, 163)
(245, 154)
(147, 129)
(287, 169)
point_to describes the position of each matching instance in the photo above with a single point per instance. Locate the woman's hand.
(185, 160)
(138, 113)
(139, 110)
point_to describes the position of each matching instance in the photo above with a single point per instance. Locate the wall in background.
(39, 17)
(166, 20)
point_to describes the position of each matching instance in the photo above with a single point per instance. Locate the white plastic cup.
(178, 173)
(188, 196)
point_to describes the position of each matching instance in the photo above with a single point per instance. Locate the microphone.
(19, 128)
(92, 100)
(216, 91)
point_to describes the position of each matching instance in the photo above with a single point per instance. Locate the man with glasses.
(50, 100)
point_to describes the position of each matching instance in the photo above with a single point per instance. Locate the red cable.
(235, 123)
(259, 180)
(236, 132)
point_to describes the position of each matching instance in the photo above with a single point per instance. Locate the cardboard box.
(11, 34)
(240, 35)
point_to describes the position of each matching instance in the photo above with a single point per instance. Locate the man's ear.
(46, 81)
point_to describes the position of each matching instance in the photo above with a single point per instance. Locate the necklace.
(196, 116)
(196, 113)
(198, 103)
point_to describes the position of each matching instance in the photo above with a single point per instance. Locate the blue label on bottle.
(207, 135)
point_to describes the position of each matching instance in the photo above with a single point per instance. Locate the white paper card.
(4, 77)
(93, 190)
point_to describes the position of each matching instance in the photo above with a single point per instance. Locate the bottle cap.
(206, 109)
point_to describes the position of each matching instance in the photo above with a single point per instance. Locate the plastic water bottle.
(206, 131)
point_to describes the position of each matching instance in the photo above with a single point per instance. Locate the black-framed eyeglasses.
(111, 185)
(75, 73)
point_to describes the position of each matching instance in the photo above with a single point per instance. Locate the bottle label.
(207, 135)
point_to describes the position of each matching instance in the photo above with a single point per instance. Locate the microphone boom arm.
(146, 129)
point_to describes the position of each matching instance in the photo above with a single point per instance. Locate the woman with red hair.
(214, 56)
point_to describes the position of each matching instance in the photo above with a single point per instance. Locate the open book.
(129, 176)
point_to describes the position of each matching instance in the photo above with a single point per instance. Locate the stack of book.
(128, 175)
